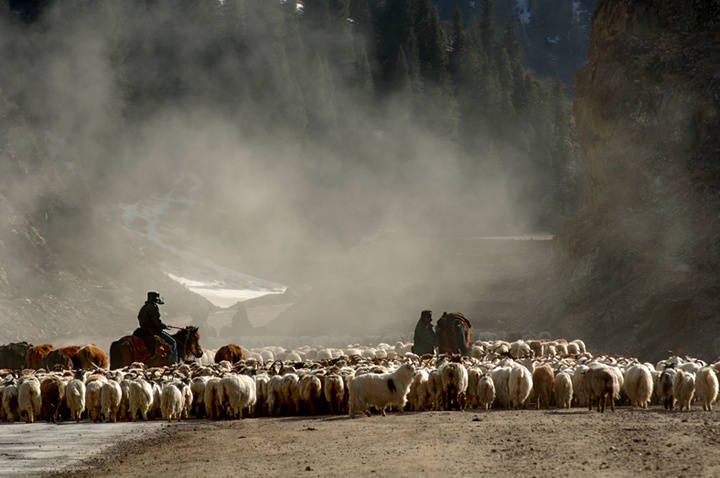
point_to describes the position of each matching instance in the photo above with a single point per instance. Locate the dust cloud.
(135, 100)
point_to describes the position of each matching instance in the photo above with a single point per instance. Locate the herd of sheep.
(273, 381)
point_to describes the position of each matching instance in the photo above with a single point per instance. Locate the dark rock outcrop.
(640, 259)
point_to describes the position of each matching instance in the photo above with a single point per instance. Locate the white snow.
(219, 284)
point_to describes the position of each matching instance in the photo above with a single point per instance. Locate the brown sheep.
(35, 357)
(92, 357)
(601, 383)
(231, 352)
(543, 380)
(52, 392)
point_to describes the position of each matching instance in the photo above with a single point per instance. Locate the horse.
(188, 344)
(453, 333)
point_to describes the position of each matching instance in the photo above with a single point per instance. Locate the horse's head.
(192, 344)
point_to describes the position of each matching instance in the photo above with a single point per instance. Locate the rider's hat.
(154, 297)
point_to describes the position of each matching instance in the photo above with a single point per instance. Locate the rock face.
(641, 258)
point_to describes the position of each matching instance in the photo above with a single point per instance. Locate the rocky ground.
(497, 443)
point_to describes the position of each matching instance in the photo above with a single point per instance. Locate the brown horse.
(188, 344)
(453, 333)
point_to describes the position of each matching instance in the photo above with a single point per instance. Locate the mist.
(251, 117)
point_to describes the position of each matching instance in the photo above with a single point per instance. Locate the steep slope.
(640, 260)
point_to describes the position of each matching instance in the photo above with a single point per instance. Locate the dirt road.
(496, 443)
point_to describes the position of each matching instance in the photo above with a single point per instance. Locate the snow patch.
(222, 286)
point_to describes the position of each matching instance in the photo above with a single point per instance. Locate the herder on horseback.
(150, 323)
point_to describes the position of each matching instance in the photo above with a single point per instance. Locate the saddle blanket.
(140, 350)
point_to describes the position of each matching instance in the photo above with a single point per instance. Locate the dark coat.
(425, 338)
(149, 318)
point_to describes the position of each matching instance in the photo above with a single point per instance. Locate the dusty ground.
(497, 443)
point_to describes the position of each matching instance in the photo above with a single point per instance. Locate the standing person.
(149, 318)
(425, 338)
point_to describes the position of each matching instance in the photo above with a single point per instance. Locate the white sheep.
(563, 390)
(212, 399)
(124, 409)
(197, 387)
(171, 402)
(501, 377)
(290, 394)
(93, 399)
(435, 390)
(110, 398)
(485, 391)
(75, 398)
(454, 378)
(578, 384)
(520, 385)
(237, 393)
(684, 388)
(334, 390)
(140, 398)
(261, 393)
(275, 395)
(310, 389)
(380, 390)
(156, 407)
(638, 385)
(419, 396)
(29, 398)
(706, 387)
(471, 399)
(10, 402)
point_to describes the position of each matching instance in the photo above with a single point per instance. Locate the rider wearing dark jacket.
(149, 318)
(425, 338)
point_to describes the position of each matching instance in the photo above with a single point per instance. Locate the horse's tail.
(116, 354)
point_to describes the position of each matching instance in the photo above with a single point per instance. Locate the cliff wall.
(640, 261)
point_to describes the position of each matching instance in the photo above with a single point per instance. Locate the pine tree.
(488, 30)
(458, 43)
